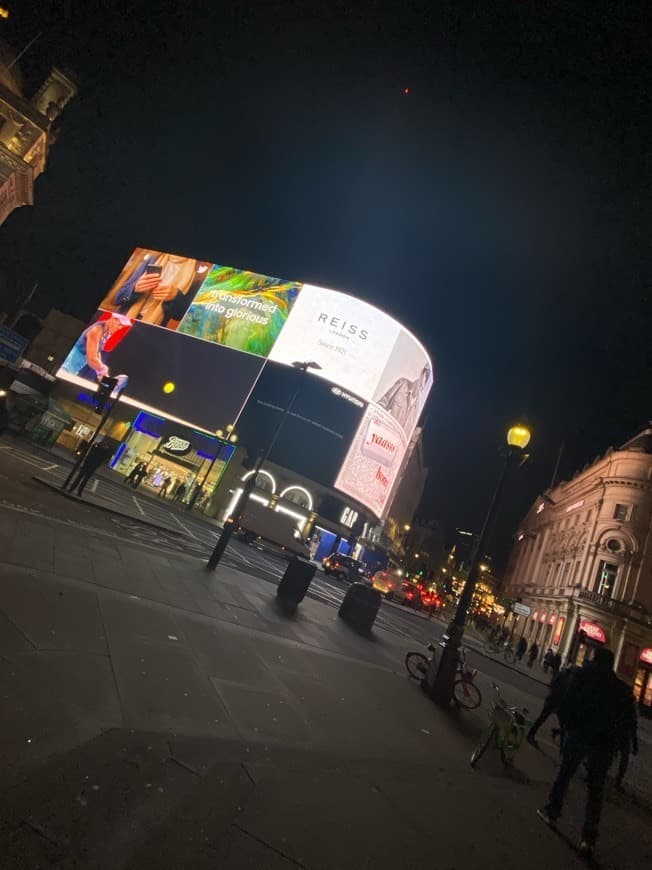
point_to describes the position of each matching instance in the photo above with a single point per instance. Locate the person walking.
(556, 664)
(521, 649)
(179, 492)
(96, 456)
(142, 474)
(533, 654)
(552, 703)
(593, 711)
(547, 660)
(133, 474)
(167, 480)
(627, 733)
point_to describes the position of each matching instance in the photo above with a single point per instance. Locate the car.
(390, 583)
(343, 567)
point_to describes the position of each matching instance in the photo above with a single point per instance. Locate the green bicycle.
(507, 729)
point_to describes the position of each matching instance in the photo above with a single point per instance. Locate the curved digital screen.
(228, 338)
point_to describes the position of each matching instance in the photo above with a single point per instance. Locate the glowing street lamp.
(438, 680)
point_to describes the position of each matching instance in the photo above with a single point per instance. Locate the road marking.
(185, 528)
(5, 447)
(93, 485)
(50, 467)
(138, 505)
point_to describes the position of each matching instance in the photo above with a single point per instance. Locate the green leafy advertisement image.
(240, 309)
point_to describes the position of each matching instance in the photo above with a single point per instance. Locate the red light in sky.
(406, 90)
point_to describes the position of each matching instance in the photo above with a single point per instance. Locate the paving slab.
(56, 614)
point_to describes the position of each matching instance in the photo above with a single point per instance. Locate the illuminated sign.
(219, 325)
(593, 631)
(349, 517)
(646, 656)
(572, 507)
(558, 630)
(551, 620)
(544, 614)
(177, 445)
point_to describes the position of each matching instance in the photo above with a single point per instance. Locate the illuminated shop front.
(643, 682)
(184, 456)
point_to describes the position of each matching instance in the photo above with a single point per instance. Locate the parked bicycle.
(493, 648)
(507, 729)
(465, 692)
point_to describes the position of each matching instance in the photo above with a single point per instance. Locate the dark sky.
(501, 209)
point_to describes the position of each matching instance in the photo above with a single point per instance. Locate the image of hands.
(156, 288)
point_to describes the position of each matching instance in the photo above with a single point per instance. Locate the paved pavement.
(156, 715)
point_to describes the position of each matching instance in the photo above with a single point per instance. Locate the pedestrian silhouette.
(96, 456)
(521, 649)
(593, 711)
(532, 655)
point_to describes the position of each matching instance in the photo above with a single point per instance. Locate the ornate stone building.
(582, 562)
(26, 131)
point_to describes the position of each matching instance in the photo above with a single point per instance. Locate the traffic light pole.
(105, 416)
(231, 522)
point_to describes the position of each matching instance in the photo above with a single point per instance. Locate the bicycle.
(465, 693)
(495, 647)
(507, 728)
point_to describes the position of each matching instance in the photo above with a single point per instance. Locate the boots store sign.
(176, 446)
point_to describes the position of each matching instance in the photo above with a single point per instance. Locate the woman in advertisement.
(87, 359)
(404, 399)
(156, 288)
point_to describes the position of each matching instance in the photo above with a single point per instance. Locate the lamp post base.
(439, 678)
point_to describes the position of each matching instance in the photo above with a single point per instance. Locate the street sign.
(521, 609)
(12, 344)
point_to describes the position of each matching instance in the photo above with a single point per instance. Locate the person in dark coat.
(521, 649)
(627, 735)
(552, 703)
(98, 454)
(593, 711)
(533, 655)
(547, 660)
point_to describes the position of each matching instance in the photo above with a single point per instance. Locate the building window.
(606, 580)
(566, 574)
(621, 512)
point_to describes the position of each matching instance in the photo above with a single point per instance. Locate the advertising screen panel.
(239, 309)
(211, 383)
(350, 339)
(318, 431)
(373, 461)
(228, 340)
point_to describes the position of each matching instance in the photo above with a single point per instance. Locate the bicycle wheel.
(416, 664)
(510, 658)
(466, 694)
(480, 750)
(510, 746)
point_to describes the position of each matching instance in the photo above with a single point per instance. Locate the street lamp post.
(238, 508)
(439, 679)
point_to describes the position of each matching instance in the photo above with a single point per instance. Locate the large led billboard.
(228, 338)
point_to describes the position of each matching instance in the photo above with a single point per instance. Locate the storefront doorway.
(183, 465)
(590, 636)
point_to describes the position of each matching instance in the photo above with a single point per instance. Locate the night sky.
(501, 209)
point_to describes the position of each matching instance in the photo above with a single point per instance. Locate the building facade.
(26, 131)
(582, 563)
